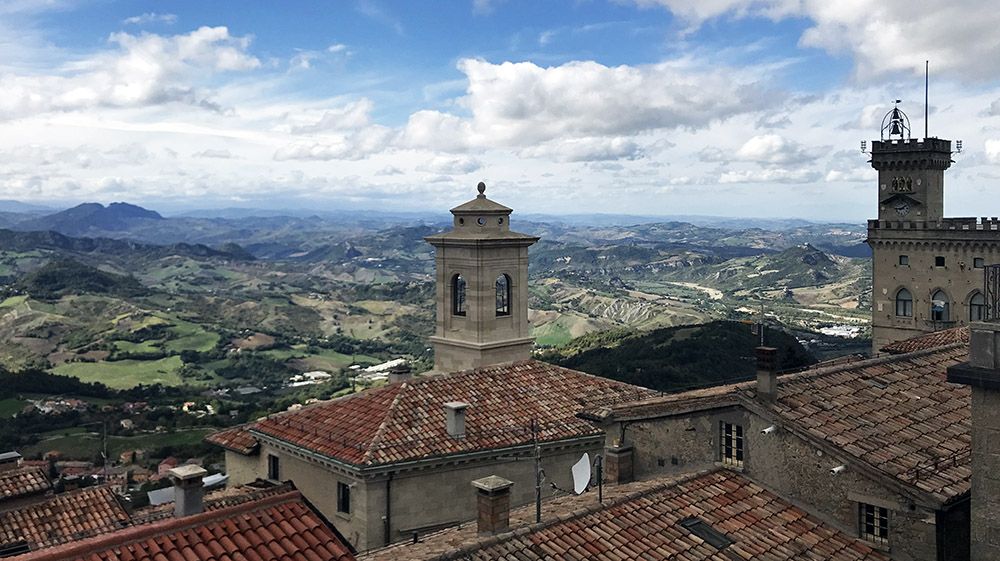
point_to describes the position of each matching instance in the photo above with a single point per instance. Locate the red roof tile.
(898, 414)
(237, 439)
(62, 518)
(23, 481)
(645, 524)
(929, 341)
(406, 421)
(282, 527)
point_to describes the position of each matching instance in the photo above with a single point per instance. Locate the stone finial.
(482, 189)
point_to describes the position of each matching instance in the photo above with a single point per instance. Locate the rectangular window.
(343, 498)
(904, 259)
(939, 261)
(874, 522)
(273, 468)
(731, 444)
(978, 262)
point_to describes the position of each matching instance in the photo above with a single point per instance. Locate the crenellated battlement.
(945, 224)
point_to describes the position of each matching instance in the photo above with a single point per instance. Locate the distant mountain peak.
(89, 218)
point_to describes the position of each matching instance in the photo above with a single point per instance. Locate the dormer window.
(503, 295)
(458, 295)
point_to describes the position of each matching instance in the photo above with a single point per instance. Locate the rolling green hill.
(678, 358)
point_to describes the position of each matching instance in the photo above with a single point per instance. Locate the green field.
(143, 347)
(124, 374)
(9, 407)
(86, 445)
(13, 301)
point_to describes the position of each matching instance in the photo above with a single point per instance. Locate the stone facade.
(982, 372)
(798, 470)
(480, 322)
(394, 502)
(927, 270)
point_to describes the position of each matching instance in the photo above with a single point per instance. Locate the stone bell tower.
(482, 288)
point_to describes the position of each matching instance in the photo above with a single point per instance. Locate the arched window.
(977, 307)
(503, 295)
(904, 303)
(940, 307)
(458, 295)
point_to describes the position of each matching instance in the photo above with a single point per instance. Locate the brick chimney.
(455, 413)
(767, 373)
(982, 372)
(618, 466)
(399, 373)
(493, 498)
(189, 489)
(9, 461)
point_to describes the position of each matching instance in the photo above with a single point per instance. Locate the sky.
(648, 107)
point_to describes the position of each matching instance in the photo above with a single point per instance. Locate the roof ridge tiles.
(152, 530)
(373, 443)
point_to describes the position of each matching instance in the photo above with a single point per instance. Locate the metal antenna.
(927, 72)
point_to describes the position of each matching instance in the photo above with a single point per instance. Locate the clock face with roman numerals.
(902, 208)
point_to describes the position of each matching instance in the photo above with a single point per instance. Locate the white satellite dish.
(581, 474)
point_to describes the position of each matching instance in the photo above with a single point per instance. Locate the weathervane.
(895, 124)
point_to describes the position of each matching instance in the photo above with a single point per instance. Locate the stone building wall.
(786, 464)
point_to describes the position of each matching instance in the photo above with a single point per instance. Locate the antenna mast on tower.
(927, 72)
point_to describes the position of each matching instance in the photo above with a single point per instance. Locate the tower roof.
(481, 205)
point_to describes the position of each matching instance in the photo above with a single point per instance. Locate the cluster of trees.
(679, 358)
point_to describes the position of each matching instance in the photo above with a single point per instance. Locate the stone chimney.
(618, 463)
(455, 412)
(493, 498)
(9, 461)
(767, 373)
(399, 373)
(982, 372)
(71, 482)
(188, 489)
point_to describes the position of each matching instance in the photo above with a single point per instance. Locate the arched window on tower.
(940, 308)
(503, 295)
(904, 303)
(458, 295)
(977, 307)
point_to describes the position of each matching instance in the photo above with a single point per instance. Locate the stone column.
(493, 498)
(982, 373)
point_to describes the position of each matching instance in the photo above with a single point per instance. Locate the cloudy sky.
(719, 107)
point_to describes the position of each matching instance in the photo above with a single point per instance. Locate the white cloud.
(585, 150)
(210, 153)
(151, 17)
(775, 149)
(389, 170)
(771, 175)
(353, 115)
(445, 165)
(992, 150)
(145, 69)
(355, 146)
(882, 35)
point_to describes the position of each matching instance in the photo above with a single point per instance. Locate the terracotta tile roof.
(282, 527)
(929, 341)
(215, 500)
(62, 518)
(898, 414)
(406, 421)
(643, 522)
(23, 481)
(237, 439)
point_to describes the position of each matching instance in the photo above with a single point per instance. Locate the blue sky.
(725, 107)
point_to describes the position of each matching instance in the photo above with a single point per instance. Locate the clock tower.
(927, 269)
(482, 288)
(910, 172)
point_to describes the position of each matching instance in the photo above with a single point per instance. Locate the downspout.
(388, 509)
